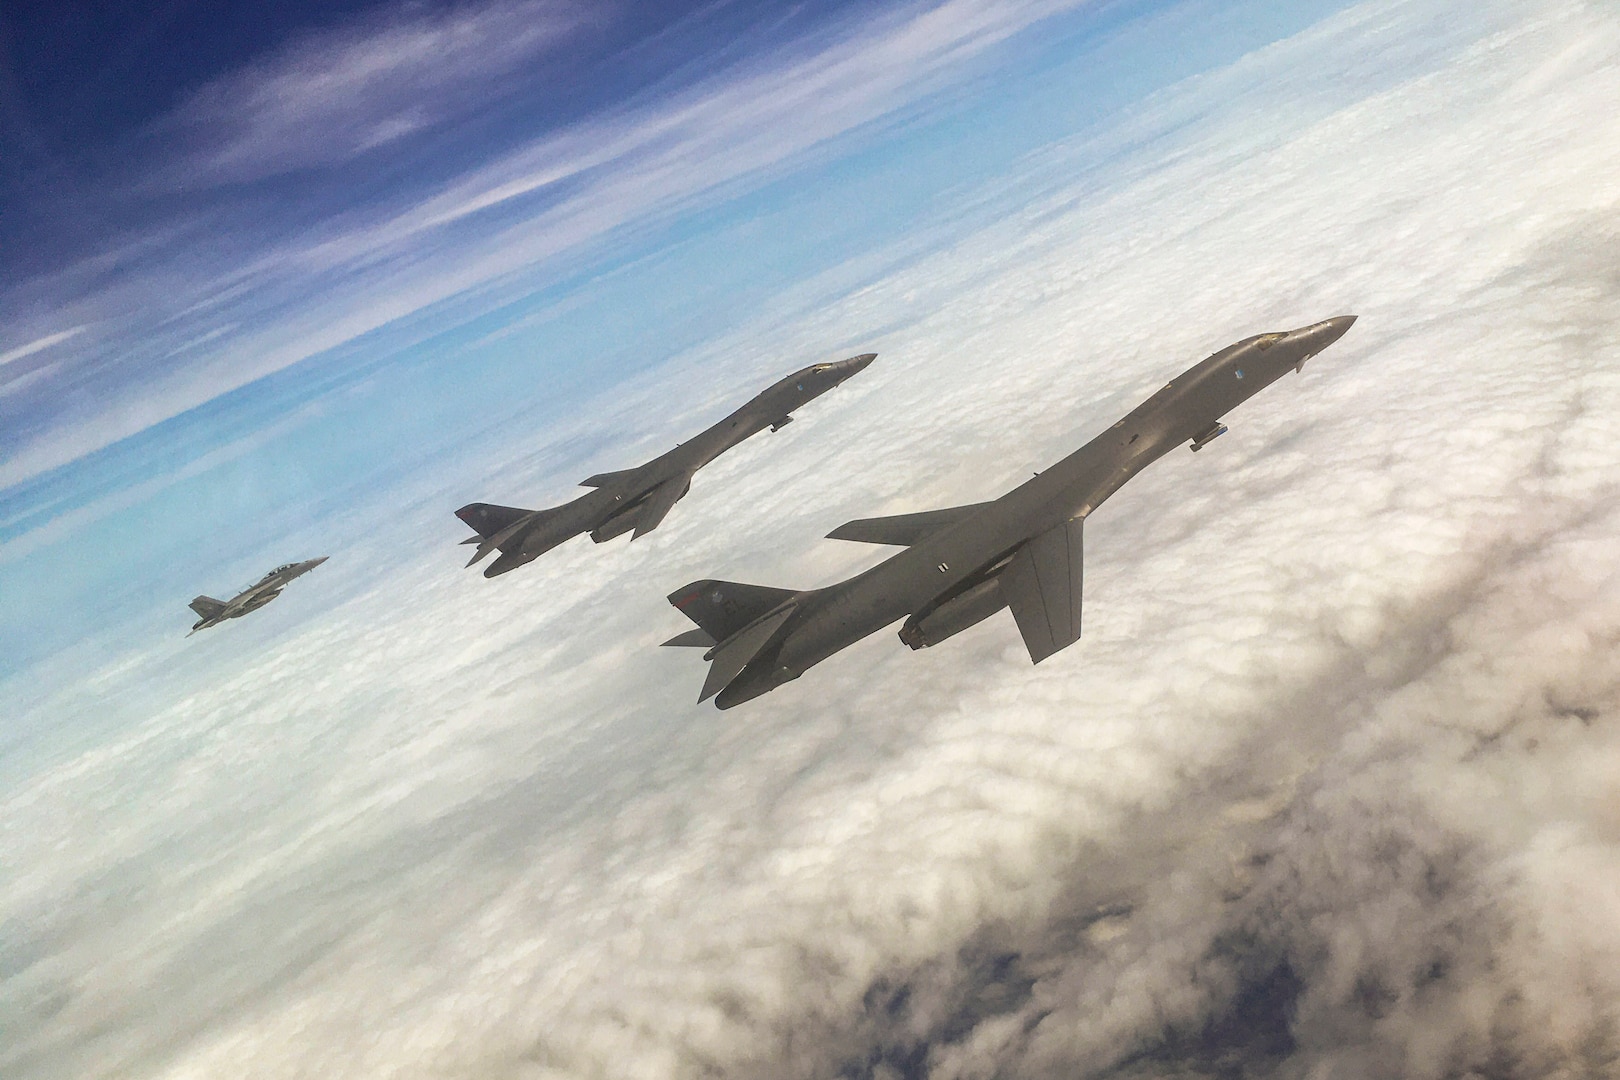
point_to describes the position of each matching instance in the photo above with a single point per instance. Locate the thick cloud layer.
(1328, 789)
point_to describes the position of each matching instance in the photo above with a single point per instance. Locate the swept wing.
(903, 530)
(1042, 586)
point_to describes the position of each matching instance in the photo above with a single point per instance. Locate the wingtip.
(695, 638)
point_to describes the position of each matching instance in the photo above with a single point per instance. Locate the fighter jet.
(637, 499)
(965, 563)
(252, 598)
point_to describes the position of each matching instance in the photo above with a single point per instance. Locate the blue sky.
(1327, 788)
(229, 320)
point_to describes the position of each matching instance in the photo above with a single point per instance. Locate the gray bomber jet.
(252, 598)
(639, 498)
(965, 563)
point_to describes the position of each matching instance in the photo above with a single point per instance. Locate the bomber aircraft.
(639, 498)
(252, 598)
(965, 563)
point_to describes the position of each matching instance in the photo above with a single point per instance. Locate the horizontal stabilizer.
(730, 657)
(1042, 586)
(693, 639)
(658, 504)
(496, 526)
(722, 608)
(207, 606)
(903, 530)
(603, 479)
(507, 561)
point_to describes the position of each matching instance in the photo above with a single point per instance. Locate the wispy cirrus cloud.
(295, 281)
(332, 97)
(17, 374)
(39, 345)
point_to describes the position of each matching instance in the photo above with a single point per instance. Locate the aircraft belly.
(1024, 550)
(551, 527)
(866, 604)
(942, 564)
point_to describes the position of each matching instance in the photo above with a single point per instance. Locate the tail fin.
(493, 525)
(722, 608)
(487, 519)
(207, 606)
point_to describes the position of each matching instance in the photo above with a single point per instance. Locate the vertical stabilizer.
(207, 606)
(722, 608)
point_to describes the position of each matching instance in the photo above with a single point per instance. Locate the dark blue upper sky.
(89, 93)
(199, 194)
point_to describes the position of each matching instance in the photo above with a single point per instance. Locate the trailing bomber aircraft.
(639, 498)
(965, 563)
(252, 598)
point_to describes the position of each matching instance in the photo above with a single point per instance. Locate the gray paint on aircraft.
(252, 598)
(963, 564)
(637, 500)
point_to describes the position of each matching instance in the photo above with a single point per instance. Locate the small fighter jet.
(252, 598)
(965, 563)
(637, 499)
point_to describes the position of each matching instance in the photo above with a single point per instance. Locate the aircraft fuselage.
(956, 563)
(637, 499)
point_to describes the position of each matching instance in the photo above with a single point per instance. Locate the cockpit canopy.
(1266, 341)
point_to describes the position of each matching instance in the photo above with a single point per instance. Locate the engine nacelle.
(954, 615)
(620, 523)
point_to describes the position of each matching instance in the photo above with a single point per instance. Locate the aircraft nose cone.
(857, 364)
(313, 563)
(1333, 329)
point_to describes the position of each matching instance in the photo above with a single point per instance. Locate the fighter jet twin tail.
(957, 566)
